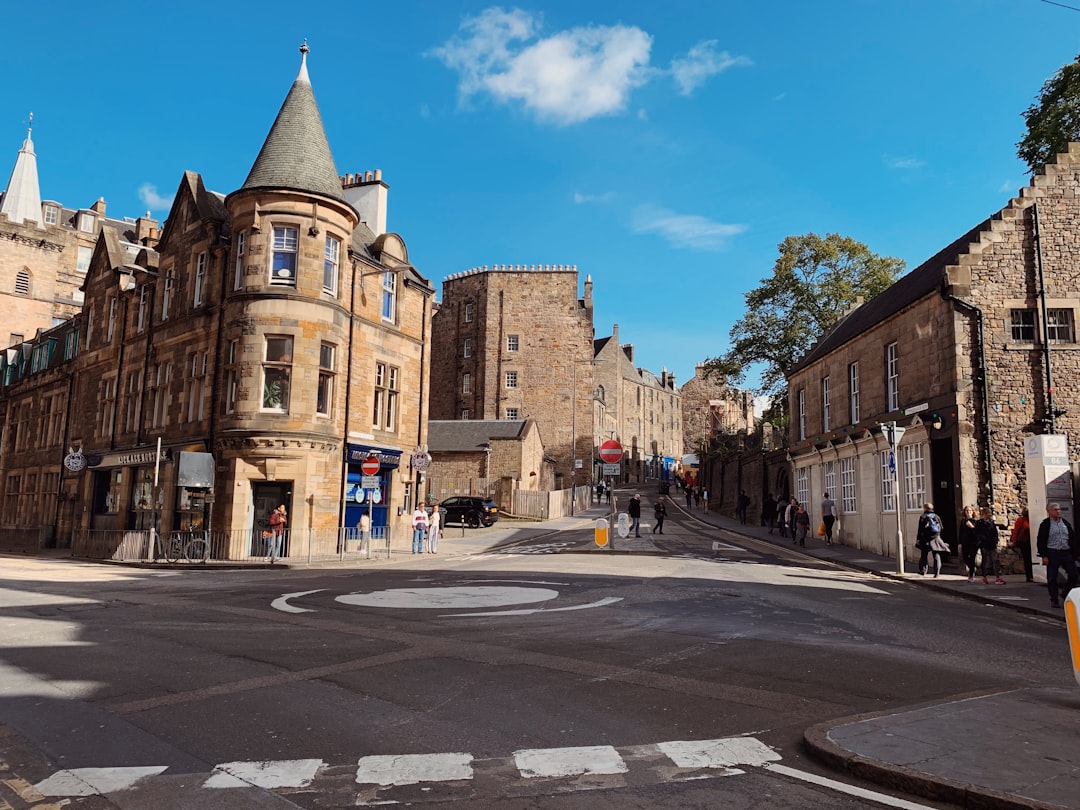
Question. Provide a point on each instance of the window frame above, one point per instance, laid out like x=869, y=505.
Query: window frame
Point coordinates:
x=892, y=377
x=853, y=392
x=800, y=398
x=513, y=343
x=389, y=296
x=324, y=392
x=849, y=504
x=1054, y=327
x=200, y=279
x=238, y=262
x=466, y=347
x=914, y=469
x=280, y=370
x=825, y=405
x=331, y=265
x=466, y=382
x=284, y=255
x=1023, y=324
x=510, y=379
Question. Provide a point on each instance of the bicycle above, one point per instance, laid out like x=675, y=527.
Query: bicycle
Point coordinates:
x=190, y=545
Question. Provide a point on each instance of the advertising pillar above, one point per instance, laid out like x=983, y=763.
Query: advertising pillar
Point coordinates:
x=1049, y=480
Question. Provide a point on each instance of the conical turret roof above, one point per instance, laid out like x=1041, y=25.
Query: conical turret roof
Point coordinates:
x=296, y=154
x=22, y=199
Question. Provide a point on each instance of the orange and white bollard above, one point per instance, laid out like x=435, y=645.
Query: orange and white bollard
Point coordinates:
x=1072, y=621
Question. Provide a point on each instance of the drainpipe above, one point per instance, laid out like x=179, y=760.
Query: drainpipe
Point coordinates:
x=983, y=388
x=348, y=397
x=1048, y=419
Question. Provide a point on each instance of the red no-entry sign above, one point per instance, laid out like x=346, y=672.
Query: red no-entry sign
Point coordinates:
x=610, y=452
x=370, y=465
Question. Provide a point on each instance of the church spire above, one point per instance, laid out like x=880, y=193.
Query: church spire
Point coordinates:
x=296, y=155
x=22, y=199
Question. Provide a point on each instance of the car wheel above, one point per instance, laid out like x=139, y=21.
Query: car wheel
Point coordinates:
x=473, y=521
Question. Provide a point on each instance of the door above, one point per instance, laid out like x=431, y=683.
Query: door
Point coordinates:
x=266, y=496
x=942, y=489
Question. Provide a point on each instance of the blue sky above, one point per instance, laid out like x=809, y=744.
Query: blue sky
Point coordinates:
x=663, y=148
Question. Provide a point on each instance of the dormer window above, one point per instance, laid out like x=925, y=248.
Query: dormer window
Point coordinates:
x=87, y=222
x=286, y=245
x=52, y=214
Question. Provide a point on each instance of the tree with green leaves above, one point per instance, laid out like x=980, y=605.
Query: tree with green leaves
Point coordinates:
x=813, y=284
x=1054, y=120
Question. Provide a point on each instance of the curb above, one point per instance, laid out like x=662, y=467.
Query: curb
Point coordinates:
x=906, y=779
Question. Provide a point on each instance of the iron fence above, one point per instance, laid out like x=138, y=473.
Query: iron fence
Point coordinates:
x=195, y=547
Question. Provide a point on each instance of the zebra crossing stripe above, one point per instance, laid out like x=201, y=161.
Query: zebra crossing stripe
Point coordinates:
x=282, y=773
x=94, y=781
x=726, y=753
x=412, y=769
x=551, y=762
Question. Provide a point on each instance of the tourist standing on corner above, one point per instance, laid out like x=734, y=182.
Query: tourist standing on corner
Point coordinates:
x=969, y=545
x=419, y=528
x=634, y=510
x=659, y=513
x=364, y=527
x=1059, y=547
x=434, y=531
x=828, y=516
x=278, y=521
x=986, y=533
x=1021, y=539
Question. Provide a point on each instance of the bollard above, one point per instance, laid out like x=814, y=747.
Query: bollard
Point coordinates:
x=600, y=532
x=1072, y=621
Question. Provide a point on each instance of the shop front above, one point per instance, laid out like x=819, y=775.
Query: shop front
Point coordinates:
x=360, y=499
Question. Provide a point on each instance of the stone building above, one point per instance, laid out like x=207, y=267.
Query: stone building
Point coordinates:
x=642, y=411
x=45, y=250
x=271, y=342
x=516, y=342
x=710, y=409
x=971, y=352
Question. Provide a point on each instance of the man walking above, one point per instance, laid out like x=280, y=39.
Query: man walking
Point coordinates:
x=659, y=513
x=828, y=516
x=634, y=510
x=1059, y=547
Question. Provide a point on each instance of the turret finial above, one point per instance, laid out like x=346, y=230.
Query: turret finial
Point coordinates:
x=30, y=125
x=302, y=76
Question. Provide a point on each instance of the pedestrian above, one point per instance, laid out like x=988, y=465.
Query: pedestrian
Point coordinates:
x=986, y=534
x=600, y=491
x=634, y=509
x=741, y=505
x=1059, y=548
x=928, y=540
x=828, y=516
x=802, y=523
x=1021, y=539
x=966, y=540
x=607, y=492
x=364, y=527
x=419, y=528
x=434, y=531
x=689, y=495
x=768, y=512
x=781, y=515
x=279, y=520
x=659, y=513
x=790, y=511
x=697, y=496
x=704, y=500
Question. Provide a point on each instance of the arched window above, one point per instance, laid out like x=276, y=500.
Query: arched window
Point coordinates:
x=22, y=283
x=600, y=392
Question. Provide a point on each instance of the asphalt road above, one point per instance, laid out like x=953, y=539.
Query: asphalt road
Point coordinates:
x=513, y=678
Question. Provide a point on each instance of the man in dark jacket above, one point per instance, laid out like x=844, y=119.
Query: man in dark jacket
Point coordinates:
x=659, y=512
x=634, y=510
x=1059, y=547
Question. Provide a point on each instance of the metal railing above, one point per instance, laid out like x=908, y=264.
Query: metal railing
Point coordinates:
x=195, y=547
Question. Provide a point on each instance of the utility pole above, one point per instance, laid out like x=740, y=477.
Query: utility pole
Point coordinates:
x=893, y=434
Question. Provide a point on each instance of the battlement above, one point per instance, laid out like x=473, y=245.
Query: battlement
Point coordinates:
x=515, y=268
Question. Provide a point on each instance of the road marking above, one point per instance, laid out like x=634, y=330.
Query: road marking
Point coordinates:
x=453, y=597
x=607, y=600
x=535, y=763
x=282, y=602
x=94, y=781
x=412, y=769
x=723, y=753
x=281, y=773
x=718, y=546
x=841, y=787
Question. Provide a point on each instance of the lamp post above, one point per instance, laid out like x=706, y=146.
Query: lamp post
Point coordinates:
x=573, y=437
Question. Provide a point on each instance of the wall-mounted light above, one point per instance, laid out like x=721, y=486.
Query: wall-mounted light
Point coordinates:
x=936, y=421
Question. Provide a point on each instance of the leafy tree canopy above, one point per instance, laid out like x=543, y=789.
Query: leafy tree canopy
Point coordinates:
x=813, y=283
x=1054, y=120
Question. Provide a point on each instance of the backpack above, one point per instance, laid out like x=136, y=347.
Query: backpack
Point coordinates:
x=932, y=523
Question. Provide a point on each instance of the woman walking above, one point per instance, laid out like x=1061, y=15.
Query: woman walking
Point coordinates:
x=969, y=545
x=986, y=533
x=434, y=531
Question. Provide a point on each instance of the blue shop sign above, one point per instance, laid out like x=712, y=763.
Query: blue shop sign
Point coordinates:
x=388, y=459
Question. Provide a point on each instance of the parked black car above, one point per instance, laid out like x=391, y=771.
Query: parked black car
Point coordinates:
x=470, y=511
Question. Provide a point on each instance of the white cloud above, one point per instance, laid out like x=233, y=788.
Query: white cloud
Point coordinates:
x=582, y=199
x=702, y=62
x=148, y=193
x=903, y=163
x=684, y=230
x=1008, y=187
x=568, y=77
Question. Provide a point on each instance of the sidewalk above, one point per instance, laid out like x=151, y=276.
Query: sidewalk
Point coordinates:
x=1030, y=760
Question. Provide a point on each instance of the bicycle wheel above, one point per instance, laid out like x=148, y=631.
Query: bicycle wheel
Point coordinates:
x=174, y=549
x=198, y=550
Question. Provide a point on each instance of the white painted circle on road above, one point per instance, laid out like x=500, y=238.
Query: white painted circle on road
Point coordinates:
x=442, y=598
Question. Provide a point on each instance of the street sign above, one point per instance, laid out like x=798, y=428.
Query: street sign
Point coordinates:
x=370, y=482
x=370, y=465
x=611, y=469
x=421, y=460
x=611, y=452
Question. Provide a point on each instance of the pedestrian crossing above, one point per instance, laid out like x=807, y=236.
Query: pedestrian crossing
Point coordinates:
x=428, y=777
